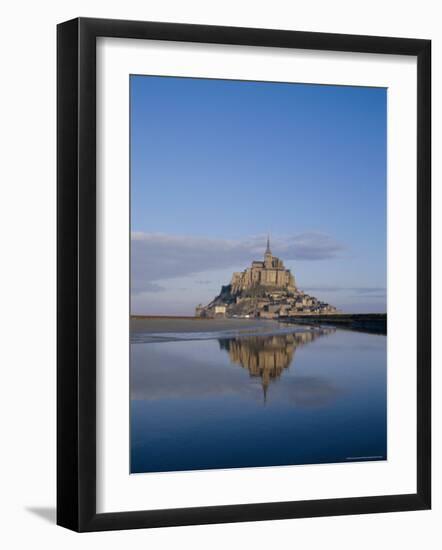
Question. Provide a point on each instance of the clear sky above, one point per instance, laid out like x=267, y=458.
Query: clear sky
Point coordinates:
x=218, y=164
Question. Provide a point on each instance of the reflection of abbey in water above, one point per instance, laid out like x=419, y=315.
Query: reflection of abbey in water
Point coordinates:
x=267, y=356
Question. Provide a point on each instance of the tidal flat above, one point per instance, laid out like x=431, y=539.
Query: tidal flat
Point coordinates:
x=195, y=324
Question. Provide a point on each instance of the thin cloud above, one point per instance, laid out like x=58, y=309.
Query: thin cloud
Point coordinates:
x=153, y=287
x=369, y=291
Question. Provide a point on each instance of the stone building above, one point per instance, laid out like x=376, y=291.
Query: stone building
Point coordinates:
x=267, y=273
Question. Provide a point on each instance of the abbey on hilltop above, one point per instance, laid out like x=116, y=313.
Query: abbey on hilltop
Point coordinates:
x=269, y=273
x=267, y=290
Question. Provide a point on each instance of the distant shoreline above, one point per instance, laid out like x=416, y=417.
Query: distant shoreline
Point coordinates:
x=365, y=322
x=167, y=317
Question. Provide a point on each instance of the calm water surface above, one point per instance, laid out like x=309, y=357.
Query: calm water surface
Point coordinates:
x=219, y=400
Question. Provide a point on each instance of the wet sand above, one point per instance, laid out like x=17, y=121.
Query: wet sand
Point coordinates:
x=148, y=325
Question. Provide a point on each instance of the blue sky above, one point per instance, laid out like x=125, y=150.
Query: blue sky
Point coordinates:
x=218, y=164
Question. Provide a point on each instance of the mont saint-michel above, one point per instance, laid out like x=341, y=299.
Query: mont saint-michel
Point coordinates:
x=266, y=290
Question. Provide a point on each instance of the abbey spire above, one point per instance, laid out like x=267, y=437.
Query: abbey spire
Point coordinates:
x=268, y=251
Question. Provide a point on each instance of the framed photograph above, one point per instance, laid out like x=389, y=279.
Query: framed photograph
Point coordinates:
x=243, y=274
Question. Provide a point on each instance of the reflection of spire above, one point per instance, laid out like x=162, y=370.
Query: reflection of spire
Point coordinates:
x=268, y=356
x=268, y=251
x=265, y=386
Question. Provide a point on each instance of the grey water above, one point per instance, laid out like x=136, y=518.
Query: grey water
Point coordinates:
x=295, y=395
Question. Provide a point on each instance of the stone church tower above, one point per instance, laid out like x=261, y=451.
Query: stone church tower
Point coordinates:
x=268, y=273
x=268, y=255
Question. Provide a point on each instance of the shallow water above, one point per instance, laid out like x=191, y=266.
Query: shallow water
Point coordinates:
x=225, y=400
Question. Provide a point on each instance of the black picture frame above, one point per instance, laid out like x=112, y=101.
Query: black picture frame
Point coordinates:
x=76, y=274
